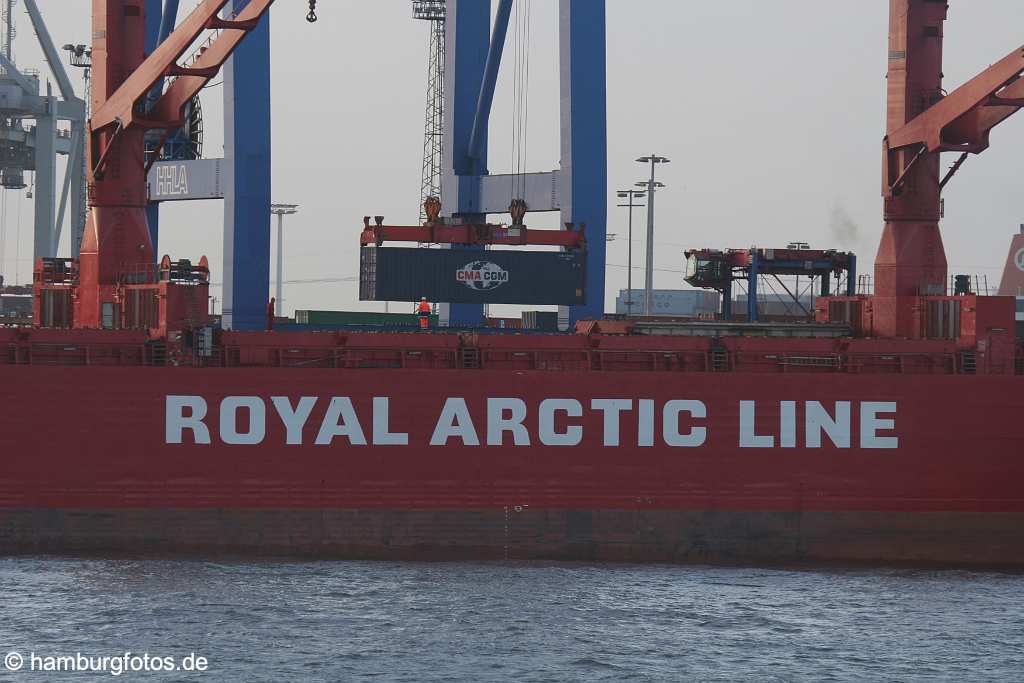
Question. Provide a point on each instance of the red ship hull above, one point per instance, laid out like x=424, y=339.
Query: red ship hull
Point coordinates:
x=696, y=467
x=888, y=430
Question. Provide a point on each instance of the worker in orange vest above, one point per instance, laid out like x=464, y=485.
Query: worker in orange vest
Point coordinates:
x=425, y=311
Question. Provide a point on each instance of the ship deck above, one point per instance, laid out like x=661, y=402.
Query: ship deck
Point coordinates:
x=653, y=347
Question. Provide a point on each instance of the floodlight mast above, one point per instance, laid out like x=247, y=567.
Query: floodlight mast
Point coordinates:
x=631, y=195
x=281, y=210
x=652, y=187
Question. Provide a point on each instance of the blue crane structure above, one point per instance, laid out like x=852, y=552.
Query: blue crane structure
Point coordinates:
x=577, y=189
x=241, y=178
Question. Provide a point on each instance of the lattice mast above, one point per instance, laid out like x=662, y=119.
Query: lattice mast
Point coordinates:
x=9, y=32
x=433, y=11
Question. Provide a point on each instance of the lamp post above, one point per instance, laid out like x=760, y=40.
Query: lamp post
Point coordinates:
x=281, y=210
x=652, y=186
x=631, y=195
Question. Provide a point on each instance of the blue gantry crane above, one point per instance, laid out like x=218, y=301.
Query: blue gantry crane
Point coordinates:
x=473, y=55
x=578, y=188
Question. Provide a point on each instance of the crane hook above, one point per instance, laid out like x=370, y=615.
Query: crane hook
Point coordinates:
x=311, y=17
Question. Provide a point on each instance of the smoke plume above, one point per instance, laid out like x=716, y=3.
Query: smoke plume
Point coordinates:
x=844, y=230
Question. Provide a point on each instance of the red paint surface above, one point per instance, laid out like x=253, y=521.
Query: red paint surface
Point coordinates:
x=1012, y=283
x=94, y=437
x=923, y=120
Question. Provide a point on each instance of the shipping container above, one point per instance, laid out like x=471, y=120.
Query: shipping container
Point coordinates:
x=505, y=323
x=544, y=321
x=472, y=277
x=774, y=304
x=676, y=302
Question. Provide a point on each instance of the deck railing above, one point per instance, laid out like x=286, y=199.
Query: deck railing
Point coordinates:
x=18, y=348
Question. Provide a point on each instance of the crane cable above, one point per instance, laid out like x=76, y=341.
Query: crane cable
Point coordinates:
x=521, y=96
x=3, y=231
x=17, y=243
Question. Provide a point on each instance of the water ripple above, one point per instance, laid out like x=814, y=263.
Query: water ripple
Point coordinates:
x=324, y=621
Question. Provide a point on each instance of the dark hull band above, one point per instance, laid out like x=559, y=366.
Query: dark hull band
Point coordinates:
x=670, y=536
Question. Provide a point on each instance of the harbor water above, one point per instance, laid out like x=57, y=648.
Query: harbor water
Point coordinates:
x=356, y=621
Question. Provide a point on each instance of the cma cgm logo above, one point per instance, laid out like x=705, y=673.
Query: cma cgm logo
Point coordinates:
x=1019, y=259
x=482, y=275
x=171, y=180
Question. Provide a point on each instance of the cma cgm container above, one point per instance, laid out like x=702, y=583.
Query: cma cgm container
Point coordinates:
x=472, y=277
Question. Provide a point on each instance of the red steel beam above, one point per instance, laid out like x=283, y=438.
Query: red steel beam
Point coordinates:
x=169, y=107
x=120, y=106
x=960, y=121
x=993, y=115
x=166, y=113
x=478, y=235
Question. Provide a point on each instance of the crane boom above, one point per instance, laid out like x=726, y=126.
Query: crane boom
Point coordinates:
x=119, y=106
x=962, y=120
x=116, y=249
x=191, y=80
x=922, y=122
x=67, y=91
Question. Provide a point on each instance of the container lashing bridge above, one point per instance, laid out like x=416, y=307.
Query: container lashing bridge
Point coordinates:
x=718, y=270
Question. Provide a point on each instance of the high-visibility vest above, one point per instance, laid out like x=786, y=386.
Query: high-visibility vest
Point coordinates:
x=425, y=307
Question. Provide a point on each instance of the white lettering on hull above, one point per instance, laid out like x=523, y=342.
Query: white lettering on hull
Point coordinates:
x=294, y=419
x=547, y=419
x=455, y=421
x=670, y=424
x=341, y=420
x=553, y=422
x=506, y=415
x=229, y=417
x=748, y=429
x=818, y=421
x=871, y=424
x=177, y=422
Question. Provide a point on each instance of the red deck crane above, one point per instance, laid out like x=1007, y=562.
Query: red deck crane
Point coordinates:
x=116, y=282
x=924, y=121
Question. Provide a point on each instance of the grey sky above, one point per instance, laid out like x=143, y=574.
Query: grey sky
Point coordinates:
x=771, y=112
